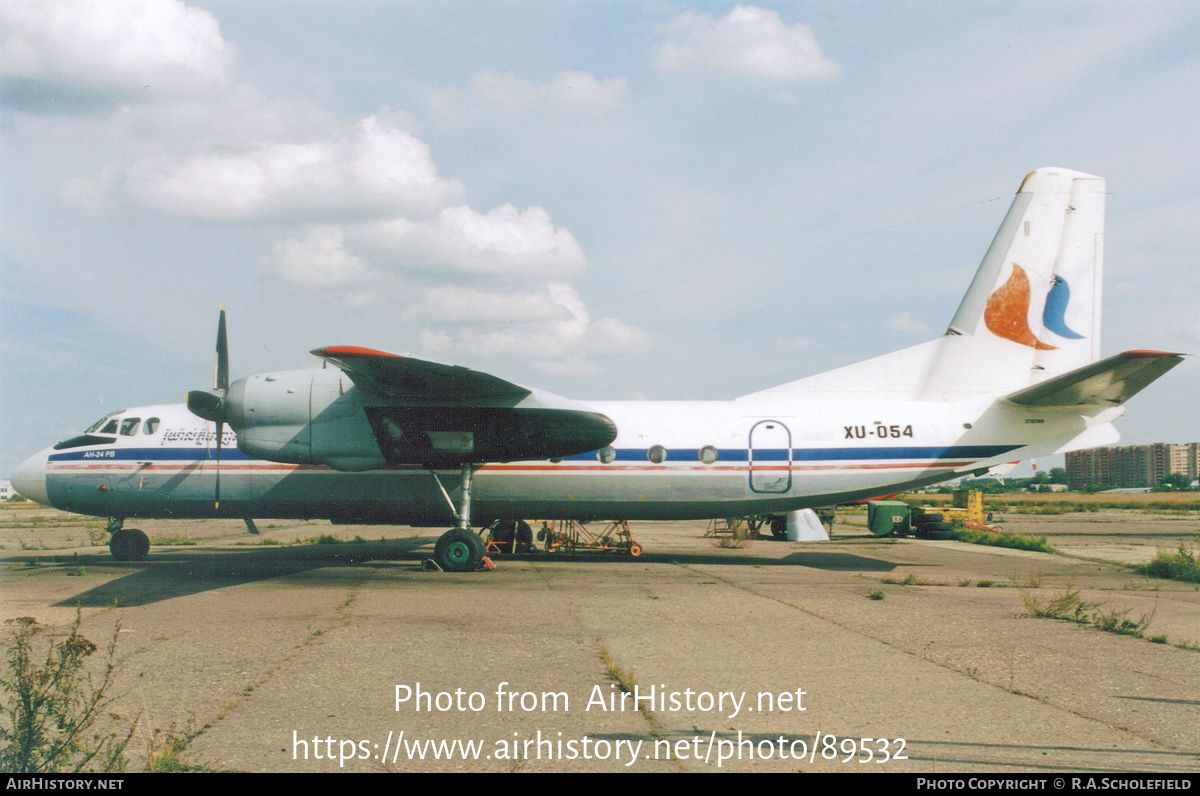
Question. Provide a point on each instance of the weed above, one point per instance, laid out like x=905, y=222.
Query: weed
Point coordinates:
x=165, y=748
x=983, y=584
x=76, y=572
x=1017, y=541
x=49, y=711
x=909, y=580
x=876, y=595
x=1116, y=621
x=626, y=682
x=1067, y=604
x=965, y=582
x=1157, y=640
x=1180, y=565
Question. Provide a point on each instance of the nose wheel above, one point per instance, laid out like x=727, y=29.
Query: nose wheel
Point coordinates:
x=129, y=544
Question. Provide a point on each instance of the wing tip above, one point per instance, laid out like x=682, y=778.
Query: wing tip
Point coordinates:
x=351, y=351
x=1148, y=354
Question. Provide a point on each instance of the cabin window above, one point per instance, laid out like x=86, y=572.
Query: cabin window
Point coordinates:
x=150, y=426
x=708, y=454
x=657, y=454
x=129, y=426
x=607, y=454
x=110, y=427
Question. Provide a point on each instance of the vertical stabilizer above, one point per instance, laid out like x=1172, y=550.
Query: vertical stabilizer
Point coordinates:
x=1037, y=293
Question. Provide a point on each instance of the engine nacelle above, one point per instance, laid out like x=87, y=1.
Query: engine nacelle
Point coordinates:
x=303, y=417
x=320, y=417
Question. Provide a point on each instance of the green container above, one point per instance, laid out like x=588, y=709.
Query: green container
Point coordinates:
x=888, y=517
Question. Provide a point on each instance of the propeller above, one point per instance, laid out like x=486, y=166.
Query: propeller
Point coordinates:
x=210, y=404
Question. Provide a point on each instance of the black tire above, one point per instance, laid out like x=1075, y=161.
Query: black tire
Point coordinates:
x=129, y=544
x=458, y=550
x=926, y=519
x=937, y=530
x=523, y=541
x=779, y=527
x=503, y=531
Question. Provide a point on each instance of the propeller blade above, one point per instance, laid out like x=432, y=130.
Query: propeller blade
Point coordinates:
x=221, y=367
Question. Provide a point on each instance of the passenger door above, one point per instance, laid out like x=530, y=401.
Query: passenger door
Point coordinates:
x=770, y=457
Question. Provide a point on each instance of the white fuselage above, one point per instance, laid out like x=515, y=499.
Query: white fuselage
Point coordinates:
x=670, y=460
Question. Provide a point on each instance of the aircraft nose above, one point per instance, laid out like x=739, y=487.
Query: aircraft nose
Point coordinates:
x=29, y=479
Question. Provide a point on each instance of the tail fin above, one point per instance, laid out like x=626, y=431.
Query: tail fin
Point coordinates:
x=1031, y=312
x=1039, y=286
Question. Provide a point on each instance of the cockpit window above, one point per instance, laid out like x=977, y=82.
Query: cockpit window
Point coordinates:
x=129, y=426
x=150, y=426
x=110, y=427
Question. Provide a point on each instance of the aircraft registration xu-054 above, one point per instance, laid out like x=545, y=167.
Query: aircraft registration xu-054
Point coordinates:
x=384, y=438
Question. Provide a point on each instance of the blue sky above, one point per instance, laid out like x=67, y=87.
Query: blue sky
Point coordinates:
x=662, y=200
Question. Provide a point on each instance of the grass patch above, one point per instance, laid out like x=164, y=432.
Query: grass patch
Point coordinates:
x=322, y=539
x=876, y=595
x=175, y=540
x=1017, y=541
x=1180, y=565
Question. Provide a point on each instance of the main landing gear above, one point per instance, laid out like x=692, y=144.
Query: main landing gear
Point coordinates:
x=459, y=549
x=126, y=544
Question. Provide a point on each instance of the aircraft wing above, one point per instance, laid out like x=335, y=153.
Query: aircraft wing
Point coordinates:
x=418, y=380
x=1110, y=381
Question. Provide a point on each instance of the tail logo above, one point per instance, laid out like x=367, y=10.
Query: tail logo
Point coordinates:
x=1054, y=317
x=1007, y=312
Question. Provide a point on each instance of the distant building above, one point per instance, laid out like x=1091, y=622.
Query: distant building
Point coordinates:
x=6, y=490
x=1132, y=466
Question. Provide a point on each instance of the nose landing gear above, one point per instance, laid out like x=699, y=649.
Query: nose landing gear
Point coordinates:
x=126, y=544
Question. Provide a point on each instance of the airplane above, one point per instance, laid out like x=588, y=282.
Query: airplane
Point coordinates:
x=386, y=438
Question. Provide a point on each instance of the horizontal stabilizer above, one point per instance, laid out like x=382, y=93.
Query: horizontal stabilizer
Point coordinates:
x=1110, y=381
x=418, y=380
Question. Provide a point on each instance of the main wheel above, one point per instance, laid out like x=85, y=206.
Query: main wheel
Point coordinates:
x=523, y=543
x=503, y=531
x=458, y=550
x=129, y=544
x=779, y=527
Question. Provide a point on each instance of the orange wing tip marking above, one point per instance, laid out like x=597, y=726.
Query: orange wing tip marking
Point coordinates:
x=352, y=351
x=1007, y=312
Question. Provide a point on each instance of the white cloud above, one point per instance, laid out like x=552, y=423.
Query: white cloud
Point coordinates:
x=558, y=334
x=130, y=48
x=376, y=170
x=320, y=260
x=569, y=92
x=502, y=241
x=904, y=322
x=749, y=42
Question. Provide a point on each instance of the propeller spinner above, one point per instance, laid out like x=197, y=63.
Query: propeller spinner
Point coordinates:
x=210, y=404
